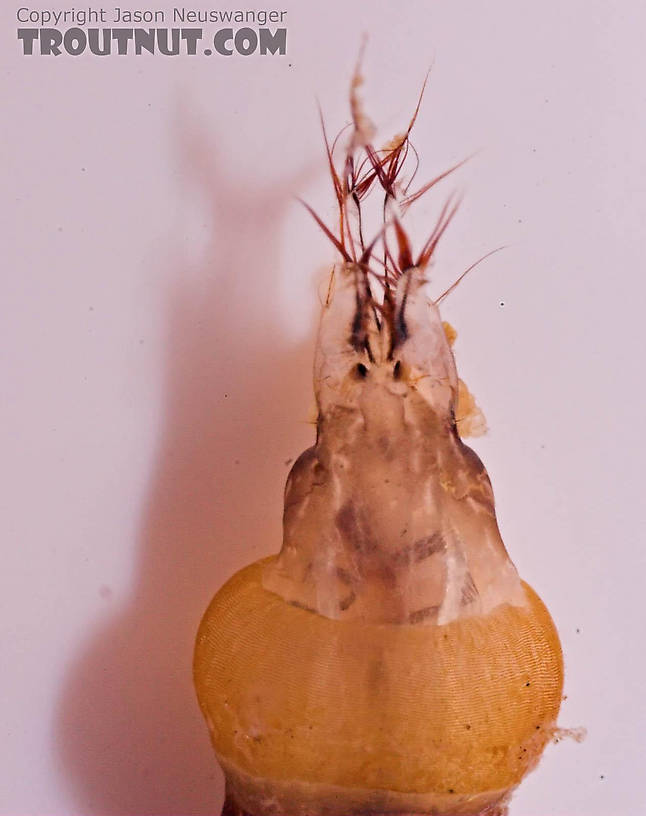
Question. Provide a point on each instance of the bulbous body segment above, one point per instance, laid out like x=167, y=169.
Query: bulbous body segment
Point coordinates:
x=310, y=715
x=389, y=660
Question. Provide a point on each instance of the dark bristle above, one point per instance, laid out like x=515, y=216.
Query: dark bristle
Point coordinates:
x=363, y=169
x=410, y=199
x=327, y=231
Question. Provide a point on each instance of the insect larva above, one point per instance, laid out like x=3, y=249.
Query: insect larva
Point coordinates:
x=389, y=659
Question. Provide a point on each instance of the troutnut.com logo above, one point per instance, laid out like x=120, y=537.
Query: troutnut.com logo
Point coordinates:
x=102, y=32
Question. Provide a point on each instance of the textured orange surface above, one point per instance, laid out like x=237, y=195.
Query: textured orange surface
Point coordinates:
x=462, y=708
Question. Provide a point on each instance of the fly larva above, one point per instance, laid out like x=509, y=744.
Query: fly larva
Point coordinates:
x=389, y=659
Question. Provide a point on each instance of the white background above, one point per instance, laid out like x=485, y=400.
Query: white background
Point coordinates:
x=159, y=298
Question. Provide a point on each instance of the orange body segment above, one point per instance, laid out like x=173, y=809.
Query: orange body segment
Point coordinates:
x=458, y=709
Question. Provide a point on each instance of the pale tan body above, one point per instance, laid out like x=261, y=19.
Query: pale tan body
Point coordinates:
x=389, y=660
x=390, y=517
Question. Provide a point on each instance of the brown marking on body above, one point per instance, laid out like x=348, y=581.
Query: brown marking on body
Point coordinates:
x=428, y=546
x=469, y=590
x=347, y=602
x=354, y=529
x=423, y=614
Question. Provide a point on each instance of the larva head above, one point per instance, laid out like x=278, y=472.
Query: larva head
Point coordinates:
x=389, y=517
x=384, y=360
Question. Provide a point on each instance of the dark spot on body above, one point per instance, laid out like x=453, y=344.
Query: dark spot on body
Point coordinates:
x=318, y=474
x=343, y=575
x=423, y=614
x=420, y=549
x=385, y=573
x=347, y=602
x=401, y=329
x=402, y=558
x=385, y=445
x=302, y=606
x=469, y=590
x=354, y=530
x=346, y=520
x=453, y=425
x=358, y=330
x=425, y=547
